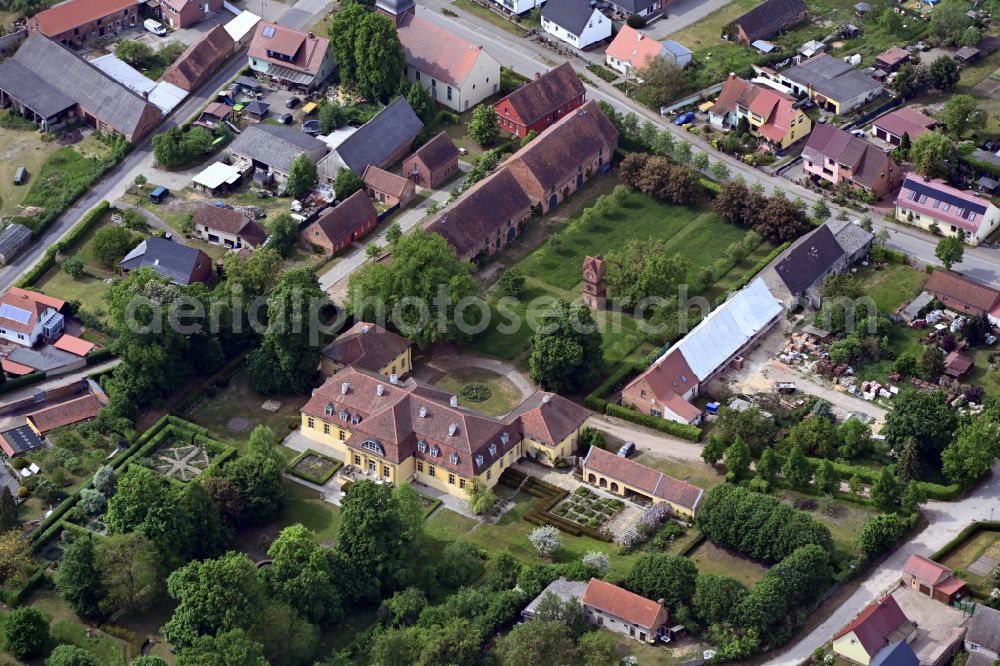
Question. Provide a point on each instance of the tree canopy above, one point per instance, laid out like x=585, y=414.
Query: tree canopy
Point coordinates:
x=566, y=351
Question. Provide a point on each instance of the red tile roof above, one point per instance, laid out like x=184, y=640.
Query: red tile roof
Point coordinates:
x=905, y=121
x=30, y=301
x=74, y=13
x=646, y=479
x=776, y=108
x=960, y=293
x=550, y=418
x=435, y=51
x=229, y=221
x=383, y=181
x=875, y=624
x=66, y=413
x=346, y=217
x=193, y=66
x=892, y=56
x=927, y=571
x=634, y=47
x=596, y=265
x=669, y=379
x=73, y=345
x=623, y=604
x=366, y=346
x=308, y=51
x=543, y=96
x=15, y=368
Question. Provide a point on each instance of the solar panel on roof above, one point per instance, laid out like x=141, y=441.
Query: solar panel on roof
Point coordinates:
x=929, y=190
x=268, y=31
x=14, y=313
x=22, y=440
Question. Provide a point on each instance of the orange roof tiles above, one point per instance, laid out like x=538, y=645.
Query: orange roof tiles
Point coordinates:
x=623, y=604
x=308, y=51
x=73, y=345
x=646, y=479
x=34, y=303
x=66, y=413
x=634, y=47
x=15, y=368
x=384, y=181
x=436, y=51
x=74, y=13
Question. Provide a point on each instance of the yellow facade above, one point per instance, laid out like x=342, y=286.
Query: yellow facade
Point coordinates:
x=849, y=647
x=617, y=487
x=546, y=454
x=400, y=366
x=800, y=127
x=331, y=435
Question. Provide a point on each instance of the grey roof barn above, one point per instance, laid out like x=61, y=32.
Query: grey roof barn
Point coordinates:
x=178, y=263
x=390, y=133
x=276, y=146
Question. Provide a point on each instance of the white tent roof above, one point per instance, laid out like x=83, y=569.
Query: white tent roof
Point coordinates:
x=728, y=328
x=164, y=95
x=217, y=174
x=244, y=22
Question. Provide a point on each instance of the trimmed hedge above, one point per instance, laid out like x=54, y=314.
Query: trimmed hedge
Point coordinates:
x=71, y=238
x=435, y=503
x=19, y=382
x=541, y=513
x=682, y=430
x=967, y=533
x=14, y=597
x=318, y=480
x=595, y=399
x=934, y=491
x=98, y=356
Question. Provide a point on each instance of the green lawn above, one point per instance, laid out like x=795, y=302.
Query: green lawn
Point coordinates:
x=715, y=560
x=504, y=395
x=844, y=520
x=523, y=25
x=66, y=627
x=892, y=286
x=986, y=542
x=20, y=148
x=697, y=473
x=90, y=291
x=447, y=525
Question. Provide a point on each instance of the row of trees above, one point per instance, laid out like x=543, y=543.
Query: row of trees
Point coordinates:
x=656, y=176
x=774, y=217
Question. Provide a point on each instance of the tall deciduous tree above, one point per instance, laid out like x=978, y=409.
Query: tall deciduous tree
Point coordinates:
x=78, y=578
x=537, y=642
x=972, y=452
x=289, y=352
x=566, y=349
x=924, y=416
x=662, y=80
x=378, y=57
x=369, y=532
x=961, y=114
x=644, y=269
x=483, y=127
x=943, y=73
x=930, y=152
x=885, y=491
x=302, y=177
x=344, y=31
x=715, y=597
x=8, y=510
x=228, y=648
x=661, y=576
x=130, y=573
x=424, y=270
x=27, y=632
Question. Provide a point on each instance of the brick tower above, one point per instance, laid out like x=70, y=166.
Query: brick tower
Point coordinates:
x=593, y=282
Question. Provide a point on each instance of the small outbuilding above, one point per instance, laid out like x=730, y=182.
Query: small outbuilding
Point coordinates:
x=13, y=239
x=257, y=110
x=388, y=188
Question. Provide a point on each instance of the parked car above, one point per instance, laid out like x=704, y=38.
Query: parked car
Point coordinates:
x=310, y=127
x=292, y=102
x=627, y=449
x=858, y=133
x=154, y=27
x=685, y=118
x=20, y=176
x=285, y=119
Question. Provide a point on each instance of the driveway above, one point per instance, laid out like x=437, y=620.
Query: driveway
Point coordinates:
x=649, y=441
x=946, y=519
x=682, y=14
x=446, y=358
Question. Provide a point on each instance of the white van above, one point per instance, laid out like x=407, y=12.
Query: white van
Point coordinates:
x=154, y=27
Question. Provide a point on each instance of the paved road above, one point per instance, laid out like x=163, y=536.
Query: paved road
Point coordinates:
x=657, y=443
x=527, y=58
x=300, y=15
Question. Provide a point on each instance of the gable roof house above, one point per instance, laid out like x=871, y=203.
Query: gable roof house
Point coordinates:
x=891, y=59
x=836, y=156
x=932, y=579
x=648, y=8
x=631, y=49
x=624, y=612
x=626, y=477
x=880, y=624
x=28, y=316
x=382, y=141
x=52, y=86
x=178, y=263
x=273, y=148
x=434, y=162
x=768, y=19
x=290, y=57
x=456, y=72
x=180, y=14
x=405, y=429
x=800, y=273
x=982, y=636
x=906, y=120
x=388, y=188
x=224, y=226
x=831, y=83
x=550, y=425
x=576, y=22
x=772, y=115
x=538, y=104
x=200, y=60
x=664, y=390
x=338, y=227
x=75, y=22
x=369, y=347
x=490, y=214
x=962, y=295
x=936, y=206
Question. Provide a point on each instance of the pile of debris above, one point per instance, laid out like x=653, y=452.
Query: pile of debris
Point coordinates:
x=871, y=390
x=253, y=212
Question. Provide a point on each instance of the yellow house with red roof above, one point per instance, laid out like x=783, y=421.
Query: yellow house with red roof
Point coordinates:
x=770, y=114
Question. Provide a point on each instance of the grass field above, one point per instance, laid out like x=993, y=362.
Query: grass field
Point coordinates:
x=91, y=289
x=504, y=398
x=983, y=543
x=715, y=560
x=698, y=473
x=553, y=268
x=66, y=627
x=491, y=16
x=844, y=520
x=20, y=148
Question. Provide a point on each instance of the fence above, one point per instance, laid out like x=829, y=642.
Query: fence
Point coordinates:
x=697, y=97
x=10, y=42
x=875, y=113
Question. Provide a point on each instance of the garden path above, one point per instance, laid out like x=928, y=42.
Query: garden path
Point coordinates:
x=452, y=359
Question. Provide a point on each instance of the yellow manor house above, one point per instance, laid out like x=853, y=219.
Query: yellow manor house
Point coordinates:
x=400, y=430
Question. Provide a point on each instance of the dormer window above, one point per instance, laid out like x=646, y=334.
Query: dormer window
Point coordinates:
x=356, y=419
x=504, y=438
x=328, y=410
x=453, y=458
x=422, y=446
x=479, y=460
x=435, y=451
x=344, y=415
x=493, y=449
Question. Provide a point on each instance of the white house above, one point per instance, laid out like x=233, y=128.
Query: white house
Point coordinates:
x=934, y=205
x=27, y=317
x=456, y=72
x=517, y=6
x=577, y=22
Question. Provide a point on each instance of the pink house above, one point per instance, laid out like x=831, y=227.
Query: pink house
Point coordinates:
x=833, y=155
x=183, y=13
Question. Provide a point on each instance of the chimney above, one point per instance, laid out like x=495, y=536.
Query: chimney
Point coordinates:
x=453, y=401
x=641, y=36
x=545, y=399
x=380, y=390
x=537, y=75
x=312, y=36
x=452, y=429
x=423, y=412
x=394, y=379
x=365, y=328
x=343, y=387
x=661, y=601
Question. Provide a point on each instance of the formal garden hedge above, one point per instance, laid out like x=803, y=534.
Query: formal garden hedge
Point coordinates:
x=682, y=430
x=320, y=479
x=967, y=533
x=548, y=496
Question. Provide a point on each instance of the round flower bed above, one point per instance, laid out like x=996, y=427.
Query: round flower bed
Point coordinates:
x=476, y=392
